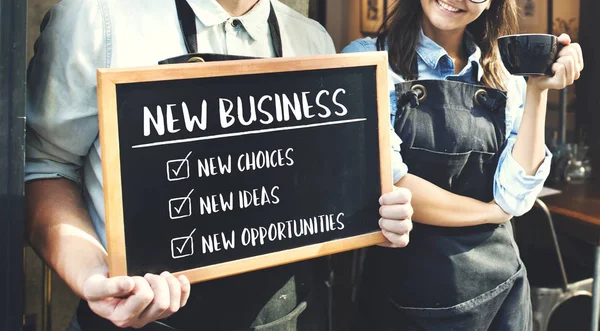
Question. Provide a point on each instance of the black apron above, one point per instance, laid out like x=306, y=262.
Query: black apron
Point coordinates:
x=291, y=297
x=467, y=278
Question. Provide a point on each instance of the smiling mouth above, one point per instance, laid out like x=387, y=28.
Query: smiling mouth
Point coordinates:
x=447, y=7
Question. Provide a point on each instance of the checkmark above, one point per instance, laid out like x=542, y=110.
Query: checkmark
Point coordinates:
x=176, y=172
x=178, y=249
x=175, y=168
x=178, y=204
x=185, y=242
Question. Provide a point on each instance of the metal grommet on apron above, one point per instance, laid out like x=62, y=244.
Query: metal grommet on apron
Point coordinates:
x=483, y=99
x=481, y=93
x=420, y=91
x=414, y=96
x=196, y=59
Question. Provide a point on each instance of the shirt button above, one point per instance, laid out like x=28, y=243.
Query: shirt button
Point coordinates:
x=235, y=23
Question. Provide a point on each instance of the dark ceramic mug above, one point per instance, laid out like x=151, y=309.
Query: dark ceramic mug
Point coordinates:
x=529, y=54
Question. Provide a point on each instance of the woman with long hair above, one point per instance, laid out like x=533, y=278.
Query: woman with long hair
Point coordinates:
x=473, y=139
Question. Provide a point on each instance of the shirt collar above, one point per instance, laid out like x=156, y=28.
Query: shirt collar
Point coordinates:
x=210, y=13
x=431, y=53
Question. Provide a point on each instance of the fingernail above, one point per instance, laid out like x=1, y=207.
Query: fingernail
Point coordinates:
x=381, y=200
x=124, y=283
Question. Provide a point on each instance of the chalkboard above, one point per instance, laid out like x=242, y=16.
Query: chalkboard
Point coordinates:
x=214, y=169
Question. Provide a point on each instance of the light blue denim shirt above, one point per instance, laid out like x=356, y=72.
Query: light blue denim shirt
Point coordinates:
x=514, y=191
x=80, y=36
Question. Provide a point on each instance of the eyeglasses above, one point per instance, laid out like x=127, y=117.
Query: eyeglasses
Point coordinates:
x=478, y=1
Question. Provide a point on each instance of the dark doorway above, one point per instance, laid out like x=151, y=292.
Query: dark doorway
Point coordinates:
x=13, y=21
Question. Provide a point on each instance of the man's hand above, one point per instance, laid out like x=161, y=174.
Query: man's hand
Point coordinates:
x=135, y=301
x=395, y=222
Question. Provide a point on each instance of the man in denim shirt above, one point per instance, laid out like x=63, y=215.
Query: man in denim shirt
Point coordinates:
x=66, y=213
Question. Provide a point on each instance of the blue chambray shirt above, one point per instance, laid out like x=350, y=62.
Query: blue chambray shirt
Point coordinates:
x=514, y=191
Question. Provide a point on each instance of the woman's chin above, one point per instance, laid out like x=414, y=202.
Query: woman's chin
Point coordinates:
x=445, y=25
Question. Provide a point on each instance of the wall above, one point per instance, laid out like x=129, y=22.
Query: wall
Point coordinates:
x=565, y=15
x=343, y=21
x=336, y=21
x=36, y=9
x=588, y=104
x=300, y=6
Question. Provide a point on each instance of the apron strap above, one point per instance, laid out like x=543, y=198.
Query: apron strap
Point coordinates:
x=187, y=23
x=275, y=32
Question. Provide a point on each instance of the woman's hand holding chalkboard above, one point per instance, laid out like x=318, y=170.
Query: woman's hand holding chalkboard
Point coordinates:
x=136, y=301
x=396, y=212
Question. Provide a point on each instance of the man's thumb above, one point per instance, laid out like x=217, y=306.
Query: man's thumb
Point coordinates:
x=99, y=287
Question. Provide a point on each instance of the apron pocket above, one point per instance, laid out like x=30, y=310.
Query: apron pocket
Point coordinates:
x=454, y=172
x=380, y=313
x=479, y=309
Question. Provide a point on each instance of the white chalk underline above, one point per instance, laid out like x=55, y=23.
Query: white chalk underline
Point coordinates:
x=236, y=134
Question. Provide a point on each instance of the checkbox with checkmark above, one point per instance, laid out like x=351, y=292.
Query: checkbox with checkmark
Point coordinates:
x=178, y=169
x=180, y=207
x=182, y=246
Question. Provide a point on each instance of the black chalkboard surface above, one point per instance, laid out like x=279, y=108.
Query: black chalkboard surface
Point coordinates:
x=214, y=169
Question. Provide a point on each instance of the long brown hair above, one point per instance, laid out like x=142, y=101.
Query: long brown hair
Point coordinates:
x=401, y=31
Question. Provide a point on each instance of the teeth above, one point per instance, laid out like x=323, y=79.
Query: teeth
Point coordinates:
x=448, y=7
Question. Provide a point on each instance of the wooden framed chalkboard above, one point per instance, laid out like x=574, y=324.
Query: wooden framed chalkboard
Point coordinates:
x=214, y=169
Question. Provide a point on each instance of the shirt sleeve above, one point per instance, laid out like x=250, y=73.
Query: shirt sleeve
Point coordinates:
x=61, y=100
x=515, y=191
x=399, y=168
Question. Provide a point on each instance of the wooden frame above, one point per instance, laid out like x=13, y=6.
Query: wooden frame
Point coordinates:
x=372, y=14
x=108, y=79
